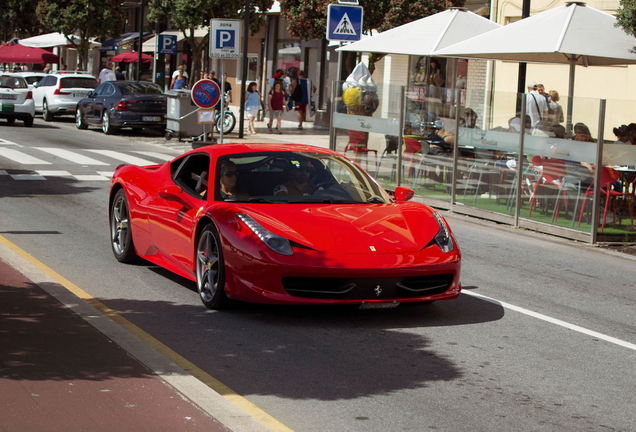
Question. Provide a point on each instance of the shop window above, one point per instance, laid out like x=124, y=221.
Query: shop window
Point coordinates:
x=252, y=68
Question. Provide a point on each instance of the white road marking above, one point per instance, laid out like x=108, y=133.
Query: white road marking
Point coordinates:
x=54, y=173
x=156, y=155
x=123, y=157
x=91, y=178
x=71, y=156
x=108, y=174
x=555, y=321
x=21, y=158
x=27, y=177
x=7, y=142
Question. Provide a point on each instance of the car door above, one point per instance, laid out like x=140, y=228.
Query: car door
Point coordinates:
x=91, y=104
x=173, y=215
x=102, y=98
x=40, y=91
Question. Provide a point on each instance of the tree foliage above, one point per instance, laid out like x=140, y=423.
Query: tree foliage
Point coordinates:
x=83, y=18
x=188, y=15
x=626, y=16
x=19, y=18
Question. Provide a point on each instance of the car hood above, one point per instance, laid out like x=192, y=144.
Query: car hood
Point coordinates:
x=350, y=228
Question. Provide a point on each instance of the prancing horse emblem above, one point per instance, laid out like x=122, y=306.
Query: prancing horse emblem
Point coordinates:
x=378, y=290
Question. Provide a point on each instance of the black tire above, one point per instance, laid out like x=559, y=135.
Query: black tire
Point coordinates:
x=107, y=127
x=121, y=238
x=168, y=136
x=210, y=269
x=80, y=123
x=46, y=114
x=28, y=121
x=137, y=129
x=230, y=122
x=10, y=120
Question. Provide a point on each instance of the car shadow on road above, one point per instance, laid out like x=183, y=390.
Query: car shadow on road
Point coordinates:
x=313, y=352
x=31, y=188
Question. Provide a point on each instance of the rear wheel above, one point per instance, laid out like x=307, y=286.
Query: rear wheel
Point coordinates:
x=10, y=120
x=210, y=269
x=28, y=121
x=79, y=119
x=48, y=116
x=121, y=238
x=107, y=128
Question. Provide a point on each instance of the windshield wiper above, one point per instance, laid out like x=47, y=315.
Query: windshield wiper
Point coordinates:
x=253, y=200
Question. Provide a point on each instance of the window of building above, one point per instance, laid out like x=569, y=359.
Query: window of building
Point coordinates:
x=252, y=68
x=288, y=55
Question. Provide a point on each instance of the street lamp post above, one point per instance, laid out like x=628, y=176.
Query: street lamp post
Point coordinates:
x=141, y=38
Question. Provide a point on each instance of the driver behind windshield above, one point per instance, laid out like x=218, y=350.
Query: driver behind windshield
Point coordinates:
x=299, y=183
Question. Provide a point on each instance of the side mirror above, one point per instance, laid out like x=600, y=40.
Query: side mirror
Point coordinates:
x=170, y=193
x=403, y=194
x=90, y=94
x=35, y=84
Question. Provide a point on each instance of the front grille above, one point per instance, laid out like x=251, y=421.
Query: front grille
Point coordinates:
x=367, y=288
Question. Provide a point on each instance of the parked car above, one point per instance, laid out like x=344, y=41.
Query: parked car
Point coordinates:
x=118, y=104
x=16, y=100
x=285, y=224
x=58, y=93
x=32, y=77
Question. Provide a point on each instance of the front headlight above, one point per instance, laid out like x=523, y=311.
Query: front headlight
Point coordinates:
x=273, y=241
x=443, y=237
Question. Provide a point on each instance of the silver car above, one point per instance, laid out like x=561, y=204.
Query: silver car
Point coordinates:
x=59, y=93
x=16, y=99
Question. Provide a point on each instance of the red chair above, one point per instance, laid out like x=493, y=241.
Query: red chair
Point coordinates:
x=553, y=172
x=358, y=143
x=609, y=176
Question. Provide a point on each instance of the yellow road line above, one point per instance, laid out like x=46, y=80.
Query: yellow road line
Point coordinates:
x=229, y=394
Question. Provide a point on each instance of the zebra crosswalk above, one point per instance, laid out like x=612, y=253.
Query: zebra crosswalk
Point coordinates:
x=21, y=163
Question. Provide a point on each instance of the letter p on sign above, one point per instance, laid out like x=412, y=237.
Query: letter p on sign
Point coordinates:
x=224, y=38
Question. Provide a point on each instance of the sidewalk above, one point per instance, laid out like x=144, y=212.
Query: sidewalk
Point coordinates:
x=58, y=373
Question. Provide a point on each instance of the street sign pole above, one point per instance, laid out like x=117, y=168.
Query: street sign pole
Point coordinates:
x=222, y=115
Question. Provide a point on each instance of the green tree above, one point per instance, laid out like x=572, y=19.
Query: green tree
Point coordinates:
x=188, y=15
x=626, y=16
x=308, y=18
x=18, y=18
x=83, y=18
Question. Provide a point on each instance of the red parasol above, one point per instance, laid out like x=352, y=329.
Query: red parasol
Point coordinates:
x=131, y=57
x=16, y=53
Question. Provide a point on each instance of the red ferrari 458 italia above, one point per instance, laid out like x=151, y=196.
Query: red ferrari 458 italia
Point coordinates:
x=285, y=224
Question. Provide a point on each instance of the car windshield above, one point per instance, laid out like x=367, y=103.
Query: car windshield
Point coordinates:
x=12, y=82
x=79, y=82
x=295, y=178
x=140, y=88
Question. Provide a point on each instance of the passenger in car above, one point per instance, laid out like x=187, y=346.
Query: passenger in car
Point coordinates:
x=299, y=183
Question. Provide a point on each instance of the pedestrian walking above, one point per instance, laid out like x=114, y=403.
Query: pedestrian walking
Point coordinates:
x=252, y=106
x=276, y=103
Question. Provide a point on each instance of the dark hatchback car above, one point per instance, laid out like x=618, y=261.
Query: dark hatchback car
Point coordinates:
x=118, y=104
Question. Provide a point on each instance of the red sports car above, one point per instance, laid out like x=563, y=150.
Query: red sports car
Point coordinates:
x=284, y=224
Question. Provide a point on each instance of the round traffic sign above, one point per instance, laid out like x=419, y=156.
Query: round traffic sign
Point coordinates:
x=206, y=93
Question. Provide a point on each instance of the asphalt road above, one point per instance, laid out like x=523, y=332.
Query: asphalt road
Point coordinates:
x=553, y=351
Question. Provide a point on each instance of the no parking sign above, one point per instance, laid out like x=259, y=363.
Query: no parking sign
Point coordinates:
x=206, y=93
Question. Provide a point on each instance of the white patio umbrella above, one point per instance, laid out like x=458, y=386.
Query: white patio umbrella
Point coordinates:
x=426, y=35
x=51, y=40
x=573, y=34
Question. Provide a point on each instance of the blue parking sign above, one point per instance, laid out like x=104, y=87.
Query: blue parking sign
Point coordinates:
x=344, y=23
x=167, y=44
x=225, y=37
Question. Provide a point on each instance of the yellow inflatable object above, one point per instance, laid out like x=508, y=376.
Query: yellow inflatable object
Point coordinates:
x=352, y=97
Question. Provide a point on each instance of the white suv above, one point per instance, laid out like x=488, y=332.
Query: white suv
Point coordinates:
x=58, y=93
x=16, y=99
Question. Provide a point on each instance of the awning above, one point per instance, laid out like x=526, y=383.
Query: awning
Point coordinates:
x=56, y=39
x=149, y=45
x=125, y=39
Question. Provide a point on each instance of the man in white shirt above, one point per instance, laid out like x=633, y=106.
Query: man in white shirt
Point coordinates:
x=536, y=106
x=107, y=74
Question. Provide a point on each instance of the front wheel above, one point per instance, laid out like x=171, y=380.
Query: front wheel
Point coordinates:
x=210, y=269
x=28, y=121
x=228, y=123
x=121, y=238
x=79, y=119
x=48, y=116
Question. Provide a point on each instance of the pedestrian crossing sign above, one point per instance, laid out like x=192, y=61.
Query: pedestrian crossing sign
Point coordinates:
x=344, y=23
